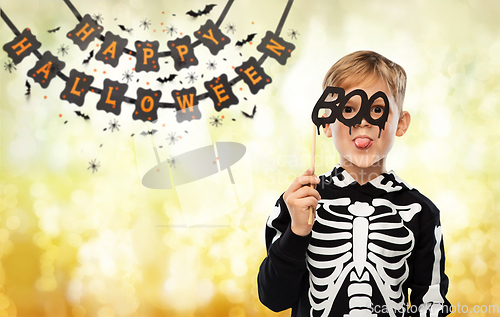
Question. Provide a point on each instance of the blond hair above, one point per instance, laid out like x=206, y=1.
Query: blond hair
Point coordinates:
x=362, y=65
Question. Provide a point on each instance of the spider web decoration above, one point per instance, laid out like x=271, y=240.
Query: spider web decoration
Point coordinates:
x=94, y=165
x=9, y=65
x=293, y=34
x=171, y=30
x=148, y=57
x=128, y=76
x=172, y=138
x=230, y=27
x=192, y=77
x=98, y=18
x=63, y=49
x=211, y=65
x=215, y=121
x=145, y=24
x=113, y=124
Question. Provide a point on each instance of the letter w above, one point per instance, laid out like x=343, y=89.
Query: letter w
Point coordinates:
x=185, y=102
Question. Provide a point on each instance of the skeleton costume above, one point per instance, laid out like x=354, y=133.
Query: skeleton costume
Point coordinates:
x=369, y=244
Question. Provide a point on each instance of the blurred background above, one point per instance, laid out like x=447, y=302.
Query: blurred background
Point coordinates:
x=79, y=234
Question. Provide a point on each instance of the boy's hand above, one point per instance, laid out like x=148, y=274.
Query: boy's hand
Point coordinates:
x=298, y=197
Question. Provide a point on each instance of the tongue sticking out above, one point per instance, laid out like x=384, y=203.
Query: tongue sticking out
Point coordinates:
x=362, y=142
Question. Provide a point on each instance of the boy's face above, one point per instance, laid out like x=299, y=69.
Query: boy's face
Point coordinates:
x=362, y=147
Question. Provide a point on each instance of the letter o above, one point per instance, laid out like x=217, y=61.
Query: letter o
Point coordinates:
x=151, y=103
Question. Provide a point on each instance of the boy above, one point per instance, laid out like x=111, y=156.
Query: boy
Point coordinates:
x=374, y=237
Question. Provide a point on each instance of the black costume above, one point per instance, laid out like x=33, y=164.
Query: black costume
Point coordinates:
x=369, y=244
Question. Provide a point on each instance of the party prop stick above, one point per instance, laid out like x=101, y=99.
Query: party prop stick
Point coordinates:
x=313, y=156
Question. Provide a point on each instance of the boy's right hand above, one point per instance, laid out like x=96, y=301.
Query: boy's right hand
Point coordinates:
x=298, y=197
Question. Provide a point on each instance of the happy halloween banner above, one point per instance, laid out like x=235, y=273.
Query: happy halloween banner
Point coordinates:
x=147, y=55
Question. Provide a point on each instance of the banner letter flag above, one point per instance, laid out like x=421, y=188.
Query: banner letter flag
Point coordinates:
x=21, y=46
x=276, y=47
x=85, y=32
x=186, y=104
x=147, y=56
x=182, y=53
x=253, y=75
x=45, y=69
x=212, y=37
x=112, y=96
x=111, y=49
x=146, y=105
x=219, y=90
x=77, y=86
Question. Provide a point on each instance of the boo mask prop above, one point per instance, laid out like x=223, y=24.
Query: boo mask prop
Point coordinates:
x=351, y=113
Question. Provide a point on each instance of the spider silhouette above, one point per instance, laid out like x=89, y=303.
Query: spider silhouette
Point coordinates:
x=192, y=77
x=171, y=162
x=211, y=65
x=172, y=138
x=94, y=165
x=63, y=49
x=230, y=27
x=293, y=34
x=9, y=65
x=128, y=76
x=215, y=121
x=97, y=18
x=114, y=125
x=171, y=30
x=145, y=24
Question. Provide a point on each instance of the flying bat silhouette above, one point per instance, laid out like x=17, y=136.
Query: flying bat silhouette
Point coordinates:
x=149, y=132
x=166, y=79
x=84, y=116
x=123, y=28
x=28, y=88
x=85, y=61
x=54, y=30
x=207, y=10
x=253, y=113
x=248, y=39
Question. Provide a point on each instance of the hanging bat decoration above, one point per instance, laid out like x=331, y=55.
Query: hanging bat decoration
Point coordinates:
x=248, y=39
x=54, y=30
x=114, y=46
x=123, y=28
x=207, y=10
x=91, y=54
x=253, y=113
x=166, y=79
x=149, y=132
x=28, y=88
x=84, y=116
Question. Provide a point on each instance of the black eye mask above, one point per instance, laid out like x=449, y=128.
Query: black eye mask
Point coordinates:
x=351, y=116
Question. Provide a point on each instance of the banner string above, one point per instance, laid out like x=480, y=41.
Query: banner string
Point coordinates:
x=126, y=99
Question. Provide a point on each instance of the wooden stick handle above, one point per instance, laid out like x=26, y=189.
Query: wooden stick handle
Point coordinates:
x=313, y=165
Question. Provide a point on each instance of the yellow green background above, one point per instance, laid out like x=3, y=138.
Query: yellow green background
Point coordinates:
x=77, y=243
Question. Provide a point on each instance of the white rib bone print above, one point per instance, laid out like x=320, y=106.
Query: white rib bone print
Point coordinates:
x=359, y=250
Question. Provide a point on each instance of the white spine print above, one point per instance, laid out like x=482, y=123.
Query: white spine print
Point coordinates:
x=359, y=253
